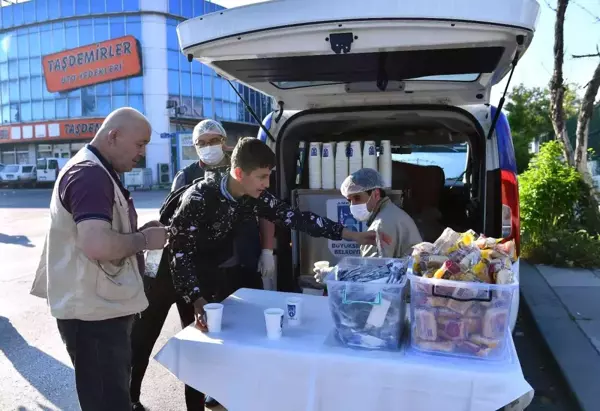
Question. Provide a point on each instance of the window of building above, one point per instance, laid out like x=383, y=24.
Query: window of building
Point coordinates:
x=41, y=10
x=36, y=88
x=61, y=108
x=117, y=26
x=17, y=14
x=66, y=8
x=49, y=110
x=37, y=110
x=101, y=29
x=82, y=7
x=136, y=101
x=119, y=101
x=133, y=26
x=75, y=107
x=86, y=31
x=131, y=5
x=25, y=112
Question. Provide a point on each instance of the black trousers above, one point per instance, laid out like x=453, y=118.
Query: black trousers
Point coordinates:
x=161, y=296
x=101, y=355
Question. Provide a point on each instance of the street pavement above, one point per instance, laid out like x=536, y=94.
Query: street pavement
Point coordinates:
x=36, y=373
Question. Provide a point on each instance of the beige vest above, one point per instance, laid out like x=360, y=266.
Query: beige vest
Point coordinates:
x=75, y=286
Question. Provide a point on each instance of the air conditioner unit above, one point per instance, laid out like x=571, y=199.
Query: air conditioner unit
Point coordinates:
x=164, y=173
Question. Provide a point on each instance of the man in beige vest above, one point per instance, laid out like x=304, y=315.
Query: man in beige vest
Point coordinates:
x=91, y=267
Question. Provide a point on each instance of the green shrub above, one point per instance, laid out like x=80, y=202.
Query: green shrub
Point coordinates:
x=563, y=248
x=559, y=220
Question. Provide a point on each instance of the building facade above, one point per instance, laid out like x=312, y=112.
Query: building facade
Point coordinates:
x=66, y=64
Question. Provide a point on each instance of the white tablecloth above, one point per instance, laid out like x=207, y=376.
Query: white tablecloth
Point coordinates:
x=309, y=370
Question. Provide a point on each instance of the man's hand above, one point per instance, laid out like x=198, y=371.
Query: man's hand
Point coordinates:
x=153, y=223
x=266, y=263
x=200, y=314
x=365, y=238
x=321, y=273
x=155, y=237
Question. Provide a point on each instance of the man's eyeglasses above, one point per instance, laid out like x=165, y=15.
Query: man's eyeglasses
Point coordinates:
x=215, y=141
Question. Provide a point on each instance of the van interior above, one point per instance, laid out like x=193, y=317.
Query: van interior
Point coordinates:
x=419, y=136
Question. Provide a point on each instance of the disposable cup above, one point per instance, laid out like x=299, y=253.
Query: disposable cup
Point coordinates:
x=294, y=310
x=214, y=317
x=321, y=265
x=274, y=322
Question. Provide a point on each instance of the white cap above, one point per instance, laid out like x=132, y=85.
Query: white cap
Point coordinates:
x=208, y=127
x=365, y=179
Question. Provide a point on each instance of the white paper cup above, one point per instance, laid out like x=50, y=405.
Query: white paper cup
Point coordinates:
x=274, y=322
x=321, y=265
x=294, y=310
x=214, y=317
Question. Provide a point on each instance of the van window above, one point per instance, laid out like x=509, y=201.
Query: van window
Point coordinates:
x=451, y=158
x=27, y=169
x=41, y=164
x=52, y=165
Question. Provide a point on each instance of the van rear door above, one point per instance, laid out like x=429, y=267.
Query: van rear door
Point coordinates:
x=314, y=53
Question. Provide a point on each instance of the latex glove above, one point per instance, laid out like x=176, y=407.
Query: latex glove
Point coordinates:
x=321, y=273
x=266, y=264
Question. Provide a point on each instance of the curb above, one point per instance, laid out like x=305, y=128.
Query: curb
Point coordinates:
x=573, y=352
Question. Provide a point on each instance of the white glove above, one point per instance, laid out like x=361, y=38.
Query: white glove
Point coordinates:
x=321, y=273
x=266, y=264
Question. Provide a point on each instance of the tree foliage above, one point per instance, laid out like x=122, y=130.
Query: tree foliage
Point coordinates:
x=558, y=224
x=529, y=117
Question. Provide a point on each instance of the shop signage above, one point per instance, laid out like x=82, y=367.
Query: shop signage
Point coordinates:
x=339, y=210
x=92, y=64
x=77, y=129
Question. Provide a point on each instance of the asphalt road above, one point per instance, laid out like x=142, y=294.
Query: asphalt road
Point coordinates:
x=36, y=373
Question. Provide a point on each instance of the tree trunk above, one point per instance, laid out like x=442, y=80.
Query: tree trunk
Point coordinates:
x=557, y=86
x=583, y=123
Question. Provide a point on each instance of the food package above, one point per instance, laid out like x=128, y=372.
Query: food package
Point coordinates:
x=470, y=320
x=465, y=257
x=367, y=302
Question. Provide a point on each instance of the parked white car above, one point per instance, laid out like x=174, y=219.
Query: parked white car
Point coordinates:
x=18, y=175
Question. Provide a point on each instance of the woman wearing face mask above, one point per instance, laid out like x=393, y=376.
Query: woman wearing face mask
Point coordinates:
x=370, y=205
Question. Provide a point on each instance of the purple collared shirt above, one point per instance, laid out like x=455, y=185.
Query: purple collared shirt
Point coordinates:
x=87, y=193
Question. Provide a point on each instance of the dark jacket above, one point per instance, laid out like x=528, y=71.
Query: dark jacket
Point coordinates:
x=201, y=231
x=246, y=241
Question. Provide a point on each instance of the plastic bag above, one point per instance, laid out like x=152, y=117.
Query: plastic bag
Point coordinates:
x=152, y=261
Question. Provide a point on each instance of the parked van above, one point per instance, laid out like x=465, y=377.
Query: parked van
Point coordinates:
x=18, y=175
x=416, y=73
x=48, y=169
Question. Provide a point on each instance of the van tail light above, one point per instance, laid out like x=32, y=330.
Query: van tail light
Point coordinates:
x=511, y=224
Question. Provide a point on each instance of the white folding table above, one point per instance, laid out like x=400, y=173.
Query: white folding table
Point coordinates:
x=309, y=370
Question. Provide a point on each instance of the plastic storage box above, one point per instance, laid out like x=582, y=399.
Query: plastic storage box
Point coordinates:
x=458, y=318
x=368, y=315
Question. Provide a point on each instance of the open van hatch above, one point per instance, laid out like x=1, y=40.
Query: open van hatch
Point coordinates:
x=309, y=53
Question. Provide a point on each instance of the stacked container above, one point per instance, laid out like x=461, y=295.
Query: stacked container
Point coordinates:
x=462, y=319
x=368, y=314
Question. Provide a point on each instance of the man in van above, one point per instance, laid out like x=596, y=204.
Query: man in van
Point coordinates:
x=209, y=138
x=92, y=263
x=370, y=204
x=200, y=233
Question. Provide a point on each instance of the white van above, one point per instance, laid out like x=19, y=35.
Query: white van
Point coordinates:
x=418, y=73
x=48, y=169
x=18, y=175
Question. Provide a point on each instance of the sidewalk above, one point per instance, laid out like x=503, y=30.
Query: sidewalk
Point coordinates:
x=565, y=305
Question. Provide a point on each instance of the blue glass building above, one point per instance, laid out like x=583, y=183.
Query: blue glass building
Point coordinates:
x=31, y=29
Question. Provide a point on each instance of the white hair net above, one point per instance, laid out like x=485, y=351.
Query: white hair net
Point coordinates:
x=208, y=127
x=362, y=180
